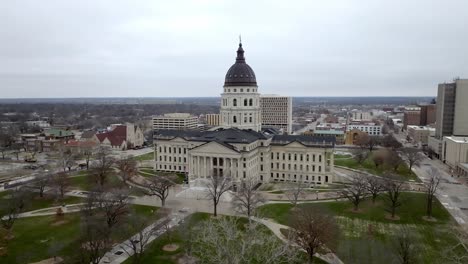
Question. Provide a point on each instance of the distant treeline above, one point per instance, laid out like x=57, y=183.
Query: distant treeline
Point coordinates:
x=216, y=100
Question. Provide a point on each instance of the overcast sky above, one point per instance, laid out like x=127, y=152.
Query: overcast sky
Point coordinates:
x=184, y=48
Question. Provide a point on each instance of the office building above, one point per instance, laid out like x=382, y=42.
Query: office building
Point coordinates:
x=180, y=121
x=276, y=112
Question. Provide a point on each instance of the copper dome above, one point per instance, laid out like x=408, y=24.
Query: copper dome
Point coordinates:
x=240, y=73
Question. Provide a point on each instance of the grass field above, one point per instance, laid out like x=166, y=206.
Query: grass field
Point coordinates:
x=369, y=237
x=368, y=165
x=147, y=172
x=83, y=182
x=36, y=238
x=47, y=201
x=147, y=156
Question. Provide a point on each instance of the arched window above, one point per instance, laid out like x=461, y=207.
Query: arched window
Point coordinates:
x=234, y=102
x=250, y=102
x=245, y=102
x=234, y=118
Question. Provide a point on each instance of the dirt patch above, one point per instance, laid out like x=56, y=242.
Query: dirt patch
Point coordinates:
x=358, y=211
x=389, y=217
x=59, y=223
x=187, y=260
x=170, y=247
x=3, y=251
x=429, y=219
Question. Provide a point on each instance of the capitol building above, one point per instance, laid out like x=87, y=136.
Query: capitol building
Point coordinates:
x=239, y=148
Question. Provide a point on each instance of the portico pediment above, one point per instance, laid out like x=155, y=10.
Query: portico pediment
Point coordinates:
x=178, y=139
x=213, y=148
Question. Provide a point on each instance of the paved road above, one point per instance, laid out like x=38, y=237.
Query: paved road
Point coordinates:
x=452, y=194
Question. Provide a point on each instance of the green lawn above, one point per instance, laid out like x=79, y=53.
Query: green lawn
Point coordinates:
x=368, y=237
x=84, y=183
x=147, y=172
x=47, y=201
x=147, y=156
x=35, y=236
x=369, y=166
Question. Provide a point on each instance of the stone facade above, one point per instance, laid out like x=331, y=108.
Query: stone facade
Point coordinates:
x=242, y=154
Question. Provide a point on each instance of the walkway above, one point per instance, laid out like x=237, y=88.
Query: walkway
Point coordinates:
x=121, y=252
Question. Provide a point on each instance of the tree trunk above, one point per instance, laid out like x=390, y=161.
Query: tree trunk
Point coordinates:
x=215, y=212
x=429, y=206
x=374, y=196
x=311, y=257
x=393, y=211
x=163, y=202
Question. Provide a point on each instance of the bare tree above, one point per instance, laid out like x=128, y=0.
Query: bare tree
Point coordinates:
x=296, y=192
x=66, y=159
x=404, y=247
x=159, y=186
x=312, y=229
x=128, y=168
x=16, y=149
x=61, y=182
x=374, y=186
x=114, y=204
x=102, y=166
x=457, y=252
x=412, y=156
x=12, y=207
x=6, y=140
x=94, y=238
x=431, y=188
x=222, y=241
x=360, y=155
x=363, y=140
x=42, y=181
x=389, y=141
x=378, y=158
x=247, y=198
x=217, y=186
x=88, y=152
x=393, y=160
x=393, y=192
x=356, y=190
x=140, y=230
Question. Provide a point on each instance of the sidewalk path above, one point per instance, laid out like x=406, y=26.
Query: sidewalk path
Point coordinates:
x=123, y=251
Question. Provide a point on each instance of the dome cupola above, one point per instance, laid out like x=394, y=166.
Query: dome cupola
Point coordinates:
x=240, y=73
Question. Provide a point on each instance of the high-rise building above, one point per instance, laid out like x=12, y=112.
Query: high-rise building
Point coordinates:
x=451, y=114
x=357, y=115
x=428, y=114
x=240, y=101
x=276, y=112
x=180, y=121
x=412, y=116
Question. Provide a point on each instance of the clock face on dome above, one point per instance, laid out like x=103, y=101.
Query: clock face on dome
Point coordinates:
x=240, y=73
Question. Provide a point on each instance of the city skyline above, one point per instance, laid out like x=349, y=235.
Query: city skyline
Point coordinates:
x=159, y=49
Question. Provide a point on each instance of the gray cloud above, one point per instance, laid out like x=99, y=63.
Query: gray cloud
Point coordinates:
x=183, y=48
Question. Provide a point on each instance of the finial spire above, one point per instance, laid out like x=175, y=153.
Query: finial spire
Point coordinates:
x=240, y=39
